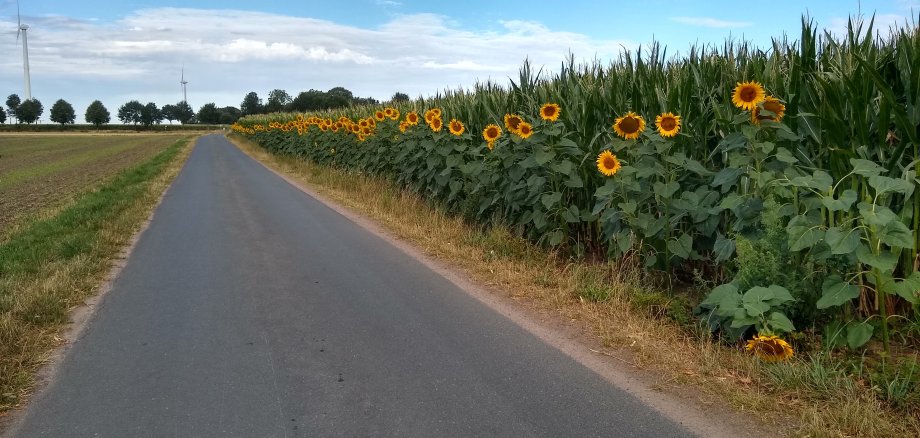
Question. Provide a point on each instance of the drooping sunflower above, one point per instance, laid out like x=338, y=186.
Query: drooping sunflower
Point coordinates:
x=772, y=105
x=550, y=112
x=747, y=95
x=512, y=121
x=436, y=124
x=456, y=127
x=607, y=163
x=379, y=115
x=524, y=130
x=769, y=348
x=491, y=133
x=412, y=118
x=629, y=126
x=668, y=124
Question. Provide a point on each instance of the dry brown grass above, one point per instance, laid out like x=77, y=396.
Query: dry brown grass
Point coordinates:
x=686, y=361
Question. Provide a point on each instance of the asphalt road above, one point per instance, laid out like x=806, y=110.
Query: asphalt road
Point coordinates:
x=249, y=309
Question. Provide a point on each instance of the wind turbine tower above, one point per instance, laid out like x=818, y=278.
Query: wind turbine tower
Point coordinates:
x=25, y=53
x=184, y=83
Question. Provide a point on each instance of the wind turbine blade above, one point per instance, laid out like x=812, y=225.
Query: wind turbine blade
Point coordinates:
x=18, y=20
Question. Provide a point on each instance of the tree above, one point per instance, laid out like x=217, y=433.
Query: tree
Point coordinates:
x=252, y=104
x=209, y=114
x=338, y=97
x=277, y=100
x=97, y=114
x=399, y=97
x=130, y=112
x=29, y=111
x=151, y=114
x=169, y=112
x=12, y=102
x=2, y=115
x=229, y=115
x=62, y=112
x=184, y=112
x=309, y=101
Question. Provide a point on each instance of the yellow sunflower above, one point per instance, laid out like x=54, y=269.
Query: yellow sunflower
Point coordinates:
x=436, y=124
x=403, y=126
x=524, y=130
x=771, y=104
x=512, y=121
x=456, y=127
x=747, y=95
x=388, y=112
x=394, y=115
x=379, y=115
x=412, y=118
x=371, y=122
x=607, y=163
x=550, y=112
x=668, y=124
x=769, y=348
x=491, y=133
x=629, y=126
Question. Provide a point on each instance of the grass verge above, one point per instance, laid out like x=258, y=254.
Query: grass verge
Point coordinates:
x=806, y=396
x=53, y=264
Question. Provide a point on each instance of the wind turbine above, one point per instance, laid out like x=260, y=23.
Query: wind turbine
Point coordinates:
x=183, y=82
x=25, y=52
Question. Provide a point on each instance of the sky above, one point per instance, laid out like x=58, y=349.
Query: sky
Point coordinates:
x=119, y=50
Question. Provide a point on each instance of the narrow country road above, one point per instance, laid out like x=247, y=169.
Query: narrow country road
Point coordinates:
x=249, y=309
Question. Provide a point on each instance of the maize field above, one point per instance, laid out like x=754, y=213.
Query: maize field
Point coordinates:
x=791, y=172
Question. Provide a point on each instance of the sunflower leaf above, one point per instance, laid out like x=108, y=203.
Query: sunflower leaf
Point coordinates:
x=858, y=334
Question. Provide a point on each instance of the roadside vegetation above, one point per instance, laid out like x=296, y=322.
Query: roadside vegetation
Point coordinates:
x=54, y=258
x=744, y=220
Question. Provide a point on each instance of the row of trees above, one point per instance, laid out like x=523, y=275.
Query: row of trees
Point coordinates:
x=312, y=100
x=131, y=113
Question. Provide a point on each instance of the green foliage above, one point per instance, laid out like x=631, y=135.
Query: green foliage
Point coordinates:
x=62, y=112
x=97, y=114
x=2, y=115
x=29, y=111
x=130, y=112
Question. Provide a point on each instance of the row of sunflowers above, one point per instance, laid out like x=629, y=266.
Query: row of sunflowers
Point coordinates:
x=802, y=203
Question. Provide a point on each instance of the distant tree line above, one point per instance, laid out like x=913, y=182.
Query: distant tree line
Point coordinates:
x=279, y=100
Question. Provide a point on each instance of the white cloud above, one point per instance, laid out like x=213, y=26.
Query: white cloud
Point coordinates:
x=711, y=22
x=227, y=53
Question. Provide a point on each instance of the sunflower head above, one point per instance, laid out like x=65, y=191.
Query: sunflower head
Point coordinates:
x=607, y=163
x=769, y=348
x=550, y=112
x=491, y=133
x=394, y=114
x=379, y=115
x=412, y=118
x=747, y=95
x=668, y=125
x=403, y=126
x=629, y=126
x=388, y=112
x=772, y=105
x=456, y=127
x=512, y=121
x=524, y=130
x=436, y=124
x=371, y=122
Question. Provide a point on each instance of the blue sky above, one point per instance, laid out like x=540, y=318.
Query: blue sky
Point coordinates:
x=121, y=50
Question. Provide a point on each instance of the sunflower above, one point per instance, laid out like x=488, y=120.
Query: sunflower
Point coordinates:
x=371, y=122
x=395, y=114
x=388, y=112
x=550, y=112
x=436, y=124
x=524, y=130
x=512, y=121
x=412, y=118
x=362, y=123
x=436, y=112
x=456, y=127
x=771, y=104
x=403, y=126
x=629, y=126
x=769, y=348
x=607, y=163
x=747, y=95
x=379, y=115
x=491, y=133
x=668, y=124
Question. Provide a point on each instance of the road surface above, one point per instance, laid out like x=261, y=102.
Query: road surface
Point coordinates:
x=250, y=309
